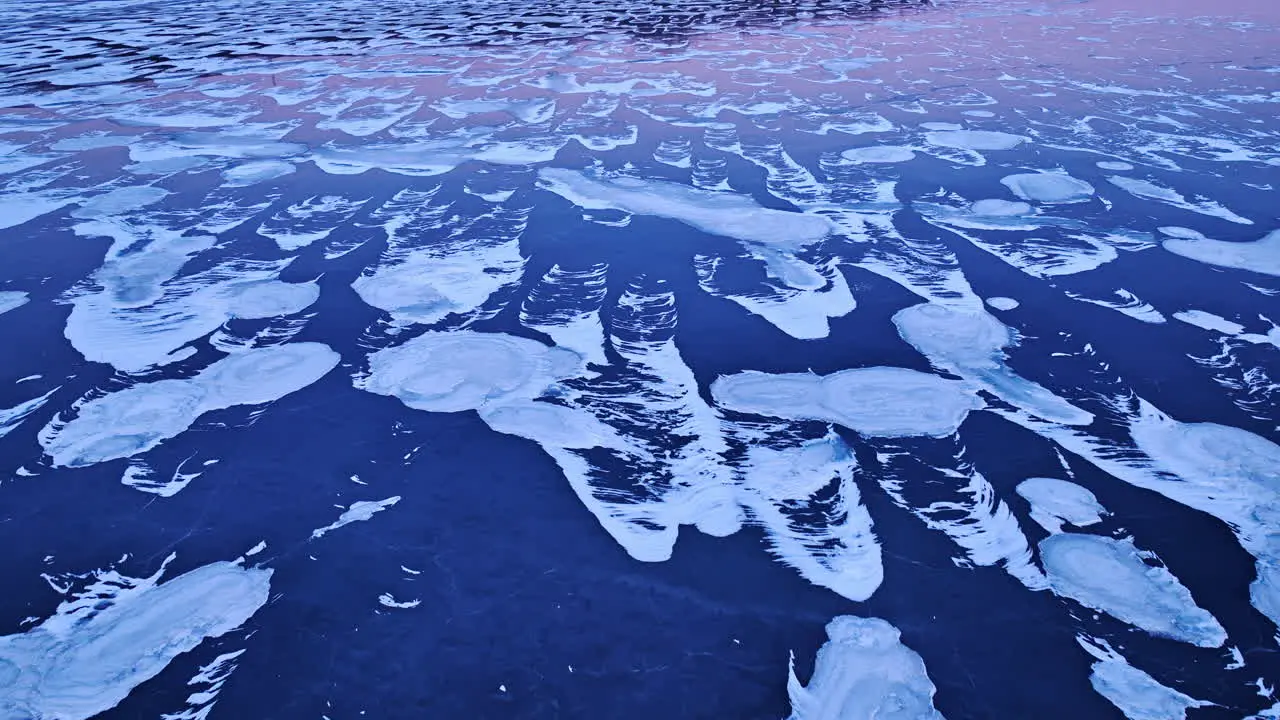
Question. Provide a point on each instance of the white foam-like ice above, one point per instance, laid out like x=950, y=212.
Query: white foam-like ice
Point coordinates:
x=876, y=401
x=1260, y=256
x=1054, y=502
x=863, y=671
x=10, y=418
x=1112, y=576
x=309, y=221
x=359, y=511
x=98, y=647
x=134, y=420
x=1135, y=693
x=1048, y=187
x=971, y=344
x=879, y=154
x=464, y=370
x=974, y=139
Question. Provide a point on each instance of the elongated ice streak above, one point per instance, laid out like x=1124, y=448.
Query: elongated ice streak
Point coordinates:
x=1135, y=693
x=863, y=671
x=134, y=420
x=98, y=647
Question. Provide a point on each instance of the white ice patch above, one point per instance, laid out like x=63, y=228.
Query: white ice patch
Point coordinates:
x=1128, y=304
x=565, y=304
x=786, y=488
x=879, y=154
x=863, y=671
x=1112, y=576
x=389, y=600
x=134, y=420
x=119, y=201
x=457, y=371
x=309, y=221
x=12, y=300
x=1208, y=321
x=1054, y=502
x=716, y=213
x=11, y=417
x=974, y=139
x=1135, y=693
x=1261, y=256
x=121, y=632
x=803, y=307
x=877, y=401
x=1048, y=187
x=971, y=345
x=1002, y=303
x=256, y=172
x=359, y=511
x=1149, y=190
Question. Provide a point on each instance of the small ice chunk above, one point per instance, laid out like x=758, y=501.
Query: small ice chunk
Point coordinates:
x=1112, y=576
x=389, y=600
x=863, y=671
x=993, y=207
x=1002, y=303
x=464, y=370
x=879, y=154
x=1209, y=321
x=1181, y=232
x=876, y=401
x=360, y=511
x=974, y=139
x=96, y=649
x=1054, y=502
x=1261, y=256
x=1048, y=187
x=134, y=420
x=1113, y=165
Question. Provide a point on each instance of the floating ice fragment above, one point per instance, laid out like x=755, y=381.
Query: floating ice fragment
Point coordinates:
x=717, y=213
x=1112, y=576
x=879, y=154
x=255, y=172
x=974, y=139
x=389, y=600
x=1056, y=501
x=1138, y=695
x=1152, y=191
x=1113, y=165
x=11, y=417
x=464, y=370
x=1261, y=256
x=1209, y=321
x=1002, y=303
x=95, y=650
x=131, y=421
x=876, y=401
x=119, y=201
x=971, y=344
x=1048, y=187
x=11, y=300
x=359, y=511
x=863, y=671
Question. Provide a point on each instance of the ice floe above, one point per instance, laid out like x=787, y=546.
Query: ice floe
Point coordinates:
x=877, y=401
x=131, y=421
x=1054, y=502
x=1260, y=256
x=12, y=300
x=121, y=632
x=1048, y=187
x=1114, y=577
x=879, y=154
x=1002, y=303
x=359, y=511
x=971, y=345
x=1135, y=693
x=1149, y=190
x=974, y=139
x=863, y=671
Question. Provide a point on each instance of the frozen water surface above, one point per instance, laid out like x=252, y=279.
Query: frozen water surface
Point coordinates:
x=590, y=359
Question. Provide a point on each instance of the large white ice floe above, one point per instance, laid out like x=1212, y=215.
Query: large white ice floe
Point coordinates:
x=1113, y=576
x=1048, y=187
x=876, y=401
x=464, y=370
x=121, y=632
x=863, y=671
x=1054, y=502
x=971, y=344
x=132, y=421
x=1260, y=256
x=974, y=139
x=879, y=154
x=1135, y=693
x=12, y=300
